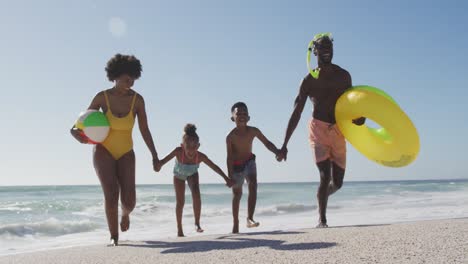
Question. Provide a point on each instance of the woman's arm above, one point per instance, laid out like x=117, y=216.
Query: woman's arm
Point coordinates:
x=144, y=129
x=95, y=105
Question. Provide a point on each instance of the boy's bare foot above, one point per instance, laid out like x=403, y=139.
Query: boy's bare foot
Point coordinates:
x=125, y=223
x=251, y=223
x=321, y=225
x=180, y=233
x=113, y=242
x=199, y=229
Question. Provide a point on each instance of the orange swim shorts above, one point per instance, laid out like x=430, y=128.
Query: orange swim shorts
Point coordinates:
x=327, y=142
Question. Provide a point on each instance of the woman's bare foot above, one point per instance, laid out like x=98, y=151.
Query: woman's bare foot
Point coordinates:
x=114, y=241
x=199, y=229
x=125, y=223
x=180, y=233
x=321, y=225
x=251, y=223
x=235, y=228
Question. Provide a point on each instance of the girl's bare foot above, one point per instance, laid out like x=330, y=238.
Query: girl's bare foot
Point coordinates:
x=180, y=233
x=199, y=229
x=251, y=223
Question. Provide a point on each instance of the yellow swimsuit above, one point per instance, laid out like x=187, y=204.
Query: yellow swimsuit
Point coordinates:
x=119, y=141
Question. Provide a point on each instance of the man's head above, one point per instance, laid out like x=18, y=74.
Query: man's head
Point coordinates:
x=323, y=48
x=240, y=113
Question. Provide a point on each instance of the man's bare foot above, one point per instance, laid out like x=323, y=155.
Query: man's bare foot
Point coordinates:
x=321, y=225
x=180, y=233
x=125, y=223
x=251, y=223
x=199, y=229
x=113, y=242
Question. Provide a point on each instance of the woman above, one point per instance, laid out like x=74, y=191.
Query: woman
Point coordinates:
x=114, y=159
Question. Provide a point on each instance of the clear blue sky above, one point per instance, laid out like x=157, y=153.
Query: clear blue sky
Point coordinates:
x=199, y=57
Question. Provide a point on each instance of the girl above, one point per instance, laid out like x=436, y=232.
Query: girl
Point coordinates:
x=188, y=159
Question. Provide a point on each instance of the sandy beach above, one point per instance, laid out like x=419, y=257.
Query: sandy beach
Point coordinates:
x=435, y=241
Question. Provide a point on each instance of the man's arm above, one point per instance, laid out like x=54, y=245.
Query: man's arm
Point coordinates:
x=358, y=121
x=295, y=116
x=270, y=146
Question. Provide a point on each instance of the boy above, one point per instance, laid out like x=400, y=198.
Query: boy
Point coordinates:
x=241, y=161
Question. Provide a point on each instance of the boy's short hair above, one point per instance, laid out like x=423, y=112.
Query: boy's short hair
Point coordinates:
x=237, y=105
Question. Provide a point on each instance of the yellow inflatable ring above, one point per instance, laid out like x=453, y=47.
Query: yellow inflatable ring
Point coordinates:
x=395, y=144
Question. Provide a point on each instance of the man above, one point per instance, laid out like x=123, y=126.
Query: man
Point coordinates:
x=328, y=144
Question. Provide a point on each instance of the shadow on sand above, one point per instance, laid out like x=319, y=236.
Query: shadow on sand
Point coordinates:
x=232, y=242
x=369, y=225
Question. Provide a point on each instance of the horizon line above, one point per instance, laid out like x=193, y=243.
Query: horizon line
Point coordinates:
x=151, y=184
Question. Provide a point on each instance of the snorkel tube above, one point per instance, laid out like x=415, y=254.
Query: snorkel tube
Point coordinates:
x=313, y=72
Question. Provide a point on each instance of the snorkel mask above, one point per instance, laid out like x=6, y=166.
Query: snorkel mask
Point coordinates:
x=315, y=72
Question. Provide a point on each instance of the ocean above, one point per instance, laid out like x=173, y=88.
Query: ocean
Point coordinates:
x=45, y=217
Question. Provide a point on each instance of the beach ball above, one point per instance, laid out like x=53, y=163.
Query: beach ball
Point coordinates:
x=94, y=125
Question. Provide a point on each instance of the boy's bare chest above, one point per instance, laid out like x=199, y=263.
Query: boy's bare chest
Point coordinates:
x=242, y=141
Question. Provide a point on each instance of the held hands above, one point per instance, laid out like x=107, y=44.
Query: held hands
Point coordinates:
x=157, y=165
x=229, y=182
x=282, y=154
